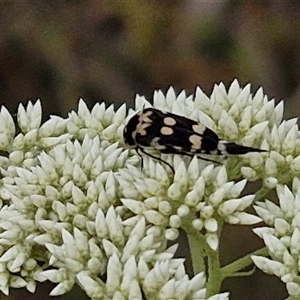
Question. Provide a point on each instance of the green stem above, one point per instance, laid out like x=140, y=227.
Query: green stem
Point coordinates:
x=261, y=194
x=234, y=267
x=199, y=251
x=215, y=278
x=197, y=244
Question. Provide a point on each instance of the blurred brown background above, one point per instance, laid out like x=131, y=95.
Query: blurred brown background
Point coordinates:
x=59, y=51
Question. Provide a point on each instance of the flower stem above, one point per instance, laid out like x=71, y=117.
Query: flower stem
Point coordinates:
x=234, y=267
x=261, y=194
x=200, y=250
x=197, y=244
x=214, y=274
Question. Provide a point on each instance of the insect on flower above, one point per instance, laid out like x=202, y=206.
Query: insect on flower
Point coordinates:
x=152, y=129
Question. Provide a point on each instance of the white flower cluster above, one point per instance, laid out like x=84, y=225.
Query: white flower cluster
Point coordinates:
x=127, y=264
x=76, y=206
x=60, y=193
x=52, y=182
x=203, y=192
x=282, y=237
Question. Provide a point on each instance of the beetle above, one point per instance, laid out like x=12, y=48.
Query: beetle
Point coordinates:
x=173, y=134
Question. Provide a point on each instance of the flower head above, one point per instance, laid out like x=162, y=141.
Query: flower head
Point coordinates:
x=282, y=236
x=76, y=199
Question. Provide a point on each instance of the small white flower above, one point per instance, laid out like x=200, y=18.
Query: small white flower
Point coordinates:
x=223, y=296
x=29, y=119
x=212, y=241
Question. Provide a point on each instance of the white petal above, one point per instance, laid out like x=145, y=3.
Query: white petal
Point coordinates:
x=137, y=207
x=295, y=165
x=222, y=296
x=90, y=286
x=293, y=289
x=270, y=167
x=175, y=221
x=269, y=266
x=211, y=225
x=295, y=242
x=17, y=282
x=171, y=234
x=245, y=218
x=282, y=227
x=183, y=210
x=114, y=273
x=248, y=173
x=167, y=291
x=270, y=182
x=213, y=241
x=155, y=217
x=174, y=191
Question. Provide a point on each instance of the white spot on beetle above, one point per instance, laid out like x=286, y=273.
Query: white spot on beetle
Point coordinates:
x=199, y=128
x=166, y=130
x=169, y=121
x=196, y=141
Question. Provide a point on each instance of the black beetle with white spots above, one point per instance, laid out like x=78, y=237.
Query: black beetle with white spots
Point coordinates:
x=153, y=129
